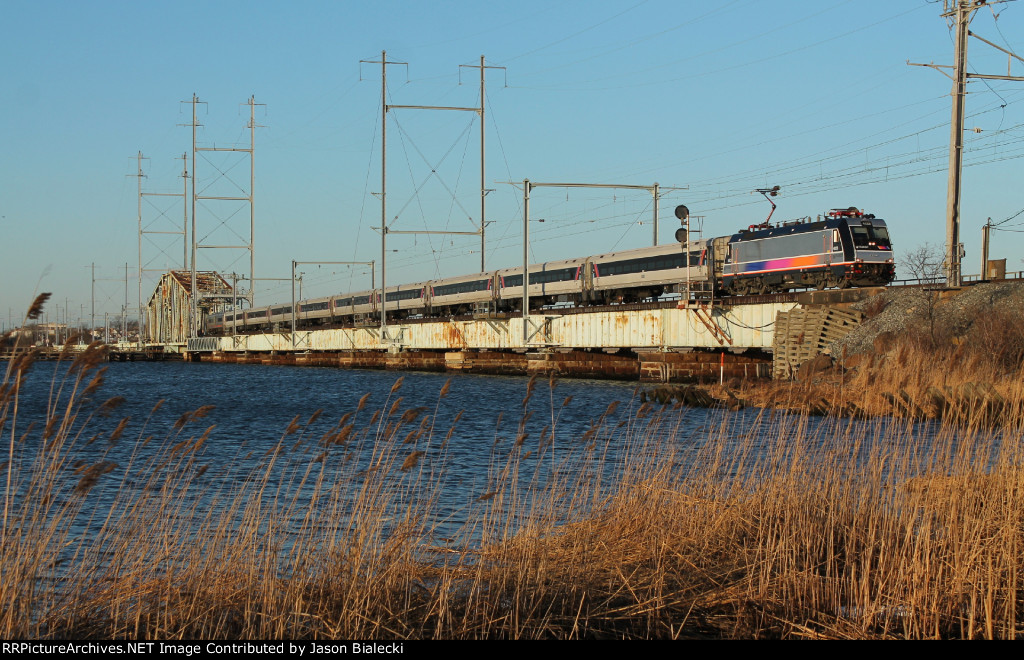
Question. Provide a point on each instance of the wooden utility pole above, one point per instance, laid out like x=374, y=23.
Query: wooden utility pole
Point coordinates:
x=961, y=16
x=959, y=13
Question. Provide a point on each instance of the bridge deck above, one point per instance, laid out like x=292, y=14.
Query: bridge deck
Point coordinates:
x=737, y=327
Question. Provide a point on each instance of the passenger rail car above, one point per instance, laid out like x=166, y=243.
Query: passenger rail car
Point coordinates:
x=634, y=275
x=844, y=248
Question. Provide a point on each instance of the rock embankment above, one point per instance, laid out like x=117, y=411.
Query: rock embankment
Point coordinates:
x=948, y=313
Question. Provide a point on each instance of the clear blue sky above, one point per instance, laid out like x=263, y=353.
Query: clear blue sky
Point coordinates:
x=722, y=98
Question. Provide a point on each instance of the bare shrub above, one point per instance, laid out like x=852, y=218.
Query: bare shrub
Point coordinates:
x=923, y=262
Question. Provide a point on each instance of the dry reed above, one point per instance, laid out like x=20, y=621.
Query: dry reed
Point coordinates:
x=670, y=524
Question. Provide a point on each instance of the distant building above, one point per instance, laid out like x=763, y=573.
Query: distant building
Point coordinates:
x=169, y=308
x=49, y=334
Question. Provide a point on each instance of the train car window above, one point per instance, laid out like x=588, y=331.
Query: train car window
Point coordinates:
x=360, y=300
x=281, y=310
x=313, y=307
x=666, y=262
x=512, y=280
x=462, y=287
x=403, y=295
x=547, y=276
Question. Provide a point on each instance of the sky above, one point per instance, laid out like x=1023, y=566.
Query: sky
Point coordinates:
x=709, y=100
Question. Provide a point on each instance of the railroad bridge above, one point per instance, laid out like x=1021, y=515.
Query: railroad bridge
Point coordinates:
x=749, y=337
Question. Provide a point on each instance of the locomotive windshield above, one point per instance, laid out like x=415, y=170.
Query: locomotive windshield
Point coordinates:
x=869, y=237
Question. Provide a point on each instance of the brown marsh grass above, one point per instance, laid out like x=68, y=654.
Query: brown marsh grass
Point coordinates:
x=971, y=379
x=765, y=524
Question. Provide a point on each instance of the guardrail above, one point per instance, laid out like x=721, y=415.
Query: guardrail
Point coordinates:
x=971, y=279
x=1012, y=275
x=916, y=281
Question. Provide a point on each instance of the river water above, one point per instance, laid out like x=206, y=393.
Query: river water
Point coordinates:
x=465, y=431
x=467, y=436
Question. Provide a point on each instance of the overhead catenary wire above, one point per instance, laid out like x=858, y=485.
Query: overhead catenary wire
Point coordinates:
x=704, y=72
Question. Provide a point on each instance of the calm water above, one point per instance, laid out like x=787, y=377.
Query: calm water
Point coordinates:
x=253, y=406
x=463, y=460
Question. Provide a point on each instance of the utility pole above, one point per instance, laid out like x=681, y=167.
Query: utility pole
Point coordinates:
x=318, y=263
x=483, y=186
x=985, y=232
x=93, y=325
x=383, y=183
x=526, y=261
x=959, y=14
x=530, y=185
x=139, y=175
x=195, y=309
x=124, y=316
x=383, y=193
x=961, y=17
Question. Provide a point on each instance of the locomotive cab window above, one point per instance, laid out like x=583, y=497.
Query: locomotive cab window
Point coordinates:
x=867, y=237
x=881, y=236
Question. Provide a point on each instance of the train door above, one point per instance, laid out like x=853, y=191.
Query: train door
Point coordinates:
x=719, y=252
x=586, y=278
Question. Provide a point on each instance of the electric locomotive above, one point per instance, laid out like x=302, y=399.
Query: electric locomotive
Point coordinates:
x=846, y=248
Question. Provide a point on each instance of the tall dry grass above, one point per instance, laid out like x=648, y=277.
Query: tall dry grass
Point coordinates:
x=971, y=379
x=667, y=525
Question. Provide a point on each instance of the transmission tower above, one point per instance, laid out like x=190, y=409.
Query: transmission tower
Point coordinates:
x=248, y=198
x=143, y=229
